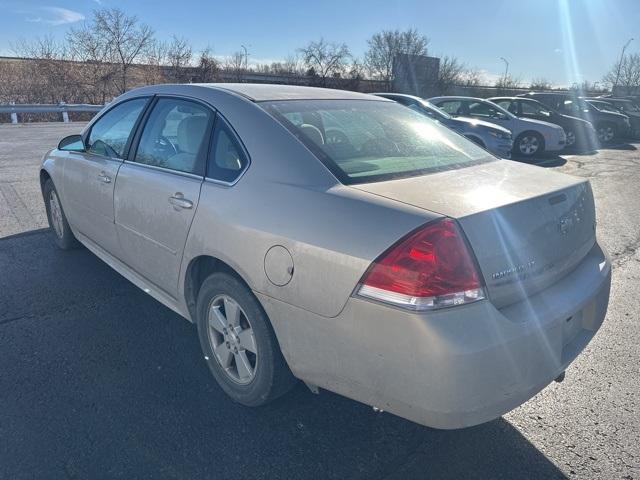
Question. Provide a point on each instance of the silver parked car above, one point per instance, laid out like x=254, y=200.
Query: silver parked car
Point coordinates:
x=531, y=137
x=496, y=139
x=338, y=238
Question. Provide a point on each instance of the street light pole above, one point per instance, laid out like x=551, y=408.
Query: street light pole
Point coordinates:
x=246, y=57
x=506, y=69
x=615, y=84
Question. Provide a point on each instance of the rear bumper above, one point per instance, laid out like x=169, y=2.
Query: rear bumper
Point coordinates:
x=453, y=368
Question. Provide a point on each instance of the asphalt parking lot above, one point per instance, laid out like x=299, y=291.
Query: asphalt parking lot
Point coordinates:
x=97, y=380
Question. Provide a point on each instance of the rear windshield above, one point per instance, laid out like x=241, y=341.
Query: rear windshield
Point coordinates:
x=367, y=141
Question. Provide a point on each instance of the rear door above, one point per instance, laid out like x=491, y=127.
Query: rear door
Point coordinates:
x=158, y=188
x=89, y=177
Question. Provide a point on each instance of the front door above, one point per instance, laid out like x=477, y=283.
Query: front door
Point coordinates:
x=90, y=176
x=489, y=113
x=158, y=189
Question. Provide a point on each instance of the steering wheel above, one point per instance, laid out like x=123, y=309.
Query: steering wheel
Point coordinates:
x=335, y=137
x=164, y=146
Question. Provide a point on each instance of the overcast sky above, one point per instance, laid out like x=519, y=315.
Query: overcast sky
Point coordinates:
x=563, y=41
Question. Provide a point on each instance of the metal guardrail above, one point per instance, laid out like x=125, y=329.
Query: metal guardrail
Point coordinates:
x=63, y=108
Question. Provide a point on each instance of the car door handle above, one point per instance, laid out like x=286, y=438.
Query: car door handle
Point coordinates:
x=178, y=201
x=104, y=178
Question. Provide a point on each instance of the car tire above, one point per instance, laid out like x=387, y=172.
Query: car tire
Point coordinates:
x=571, y=139
x=606, y=132
x=62, y=234
x=529, y=144
x=231, y=323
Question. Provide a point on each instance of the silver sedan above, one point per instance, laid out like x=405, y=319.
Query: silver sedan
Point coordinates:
x=340, y=239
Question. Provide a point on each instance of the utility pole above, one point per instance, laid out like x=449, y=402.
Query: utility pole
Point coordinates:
x=506, y=70
x=615, y=84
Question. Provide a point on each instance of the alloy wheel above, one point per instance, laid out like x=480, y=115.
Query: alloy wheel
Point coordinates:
x=529, y=145
x=571, y=138
x=605, y=134
x=56, y=214
x=232, y=339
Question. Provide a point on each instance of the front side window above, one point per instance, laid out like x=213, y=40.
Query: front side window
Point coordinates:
x=364, y=141
x=507, y=105
x=452, y=107
x=174, y=136
x=534, y=108
x=111, y=132
x=227, y=160
x=486, y=110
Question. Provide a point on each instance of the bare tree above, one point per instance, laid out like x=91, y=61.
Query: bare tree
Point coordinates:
x=234, y=64
x=626, y=71
x=450, y=73
x=155, y=59
x=179, y=55
x=208, y=67
x=507, y=82
x=471, y=77
x=124, y=38
x=293, y=65
x=325, y=59
x=384, y=46
x=46, y=78
x=540, y=84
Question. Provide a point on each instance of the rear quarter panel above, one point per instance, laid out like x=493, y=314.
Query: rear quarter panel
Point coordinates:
x=332, y=234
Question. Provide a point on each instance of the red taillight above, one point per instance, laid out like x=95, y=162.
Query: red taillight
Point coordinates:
x=430, y=268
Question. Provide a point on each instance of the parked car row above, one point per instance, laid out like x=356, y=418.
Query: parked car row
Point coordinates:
x=531, y=124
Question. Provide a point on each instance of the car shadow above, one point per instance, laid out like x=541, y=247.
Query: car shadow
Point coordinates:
x=97, y=379
x=547, y=160
x=621, y=146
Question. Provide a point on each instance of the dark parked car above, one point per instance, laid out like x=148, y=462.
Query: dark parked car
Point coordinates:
x=623, y=105
x=580, y=133
x=496, y=139
x=609, y=125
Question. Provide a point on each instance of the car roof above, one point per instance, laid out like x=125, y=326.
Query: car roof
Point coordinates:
x=491, y=99
x=392, y=94
x=260, y=92
x=461, y=97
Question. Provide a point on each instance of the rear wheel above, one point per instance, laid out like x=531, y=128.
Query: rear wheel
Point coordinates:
x=529, y=144
x=571, y=138
x=239, y=344
x=62, y=233
x=606, y=132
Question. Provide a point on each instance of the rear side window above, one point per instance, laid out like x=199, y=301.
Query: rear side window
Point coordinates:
x=175, y=136
x=452, y=107
x=364, y=141
x=111, y=132
x=227, y=159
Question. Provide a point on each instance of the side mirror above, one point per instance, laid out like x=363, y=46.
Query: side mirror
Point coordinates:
x=72, y=143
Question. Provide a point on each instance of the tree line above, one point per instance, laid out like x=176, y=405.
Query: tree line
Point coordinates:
x=113, y=52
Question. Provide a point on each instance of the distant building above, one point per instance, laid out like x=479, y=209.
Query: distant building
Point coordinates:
x=416, y=75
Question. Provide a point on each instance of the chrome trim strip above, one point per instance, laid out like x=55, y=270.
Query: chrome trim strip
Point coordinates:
x=163, y=169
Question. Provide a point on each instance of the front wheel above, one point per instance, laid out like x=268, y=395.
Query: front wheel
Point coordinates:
x=62, y=233
x=529, y=144
x=606, y=133
x=239, y=344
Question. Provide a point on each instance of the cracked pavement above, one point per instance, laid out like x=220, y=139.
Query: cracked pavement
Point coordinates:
x=97, y=380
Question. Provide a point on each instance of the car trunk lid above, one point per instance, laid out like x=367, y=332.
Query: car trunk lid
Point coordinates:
x=527, y=226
